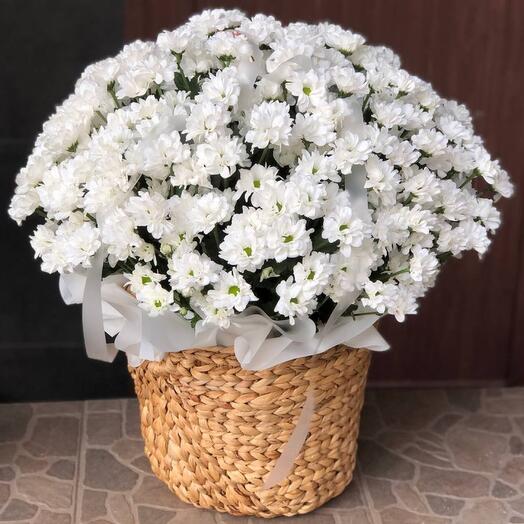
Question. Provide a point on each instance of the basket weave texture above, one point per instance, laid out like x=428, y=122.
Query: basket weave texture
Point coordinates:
x=213, y=431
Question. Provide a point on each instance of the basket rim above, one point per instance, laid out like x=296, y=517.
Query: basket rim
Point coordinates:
x=224, y=356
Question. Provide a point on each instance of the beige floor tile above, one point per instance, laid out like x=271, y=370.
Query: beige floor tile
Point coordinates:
x=437, y=457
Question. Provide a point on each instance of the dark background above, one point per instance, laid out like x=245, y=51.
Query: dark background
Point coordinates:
x=470, y=328
x=46, y=44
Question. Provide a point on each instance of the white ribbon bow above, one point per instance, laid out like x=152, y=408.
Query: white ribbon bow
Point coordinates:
x=259, y=341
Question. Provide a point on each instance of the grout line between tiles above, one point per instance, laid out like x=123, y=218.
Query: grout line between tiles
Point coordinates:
x=368, y=501
x=79, y=464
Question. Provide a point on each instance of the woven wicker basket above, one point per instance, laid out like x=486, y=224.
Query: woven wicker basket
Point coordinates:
x=213, y=431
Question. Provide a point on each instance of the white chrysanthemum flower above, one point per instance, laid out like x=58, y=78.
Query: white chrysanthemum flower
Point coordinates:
x=230, y=46
x=378, y=295
x=351, y=273
x=351, y=151
x=488, y=214
x=279, y=198
x=222, y=87
x=403, y=154
x=190, y=272
x=81, y=240
x=312, y=195
x=119, y=236
x=348, y=81
x=502, y=184
x=150, y=210
x=454, y=204
x=210, y=313
x=468, y=234
x=43, y=239
x=288, y=238
x=59, y=193
x=175, y=41
x=292, y=301
x=383, y=179
x=155, y=299
x=145, y=64
x=220, y=163
x=390, y=227
x=211, y=209
x=403, y=302
x=314, y=272
x=221, y=156
x=261, y=29
x=316, y=128
x=141, y=276
x=269, y=123
x=155, y=157
x=23, y=204
x=309, y=89
x=344, y=228
x=390, y=113
x=244, y=245
x=421, y=186
x=430, y=141
x=206, y=120
x=454, y=130
x=318, y=166
x=190, y=173
x=256, y=179
x=70, y=245
x=231, y=292
x=246, y=251
x=423, y=265
x=341, y=39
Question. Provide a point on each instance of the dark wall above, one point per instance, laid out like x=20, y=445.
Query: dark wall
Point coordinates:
x=470, y=328
x=45, y=46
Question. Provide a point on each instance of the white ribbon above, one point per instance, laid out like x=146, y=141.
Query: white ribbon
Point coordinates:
x=259, y=342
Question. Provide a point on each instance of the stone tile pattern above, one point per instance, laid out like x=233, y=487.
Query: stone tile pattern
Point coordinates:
x=431, y=456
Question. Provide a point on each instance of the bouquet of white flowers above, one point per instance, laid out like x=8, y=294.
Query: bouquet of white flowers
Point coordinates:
x=238, y=162
x=271, y=188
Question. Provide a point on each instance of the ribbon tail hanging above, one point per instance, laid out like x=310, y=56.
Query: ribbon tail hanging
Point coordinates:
x=92, y=316
x=293, y=446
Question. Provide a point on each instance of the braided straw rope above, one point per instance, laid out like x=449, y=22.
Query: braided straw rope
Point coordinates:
x=213, y=430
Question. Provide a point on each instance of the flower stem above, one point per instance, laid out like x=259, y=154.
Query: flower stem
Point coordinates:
x=473, y=175
x=111, y=91
x=263, y=155
x=392, y=275
x=102, y=117
x=40, y=212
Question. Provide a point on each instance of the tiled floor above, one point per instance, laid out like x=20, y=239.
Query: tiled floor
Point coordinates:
x=429, y=457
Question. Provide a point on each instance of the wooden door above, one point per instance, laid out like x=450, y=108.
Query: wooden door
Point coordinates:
x=470, y=328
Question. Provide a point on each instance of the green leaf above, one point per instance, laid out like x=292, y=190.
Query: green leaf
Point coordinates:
x=73, y=147
x=181, y=81
x=226, y=60
x=267, y=272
